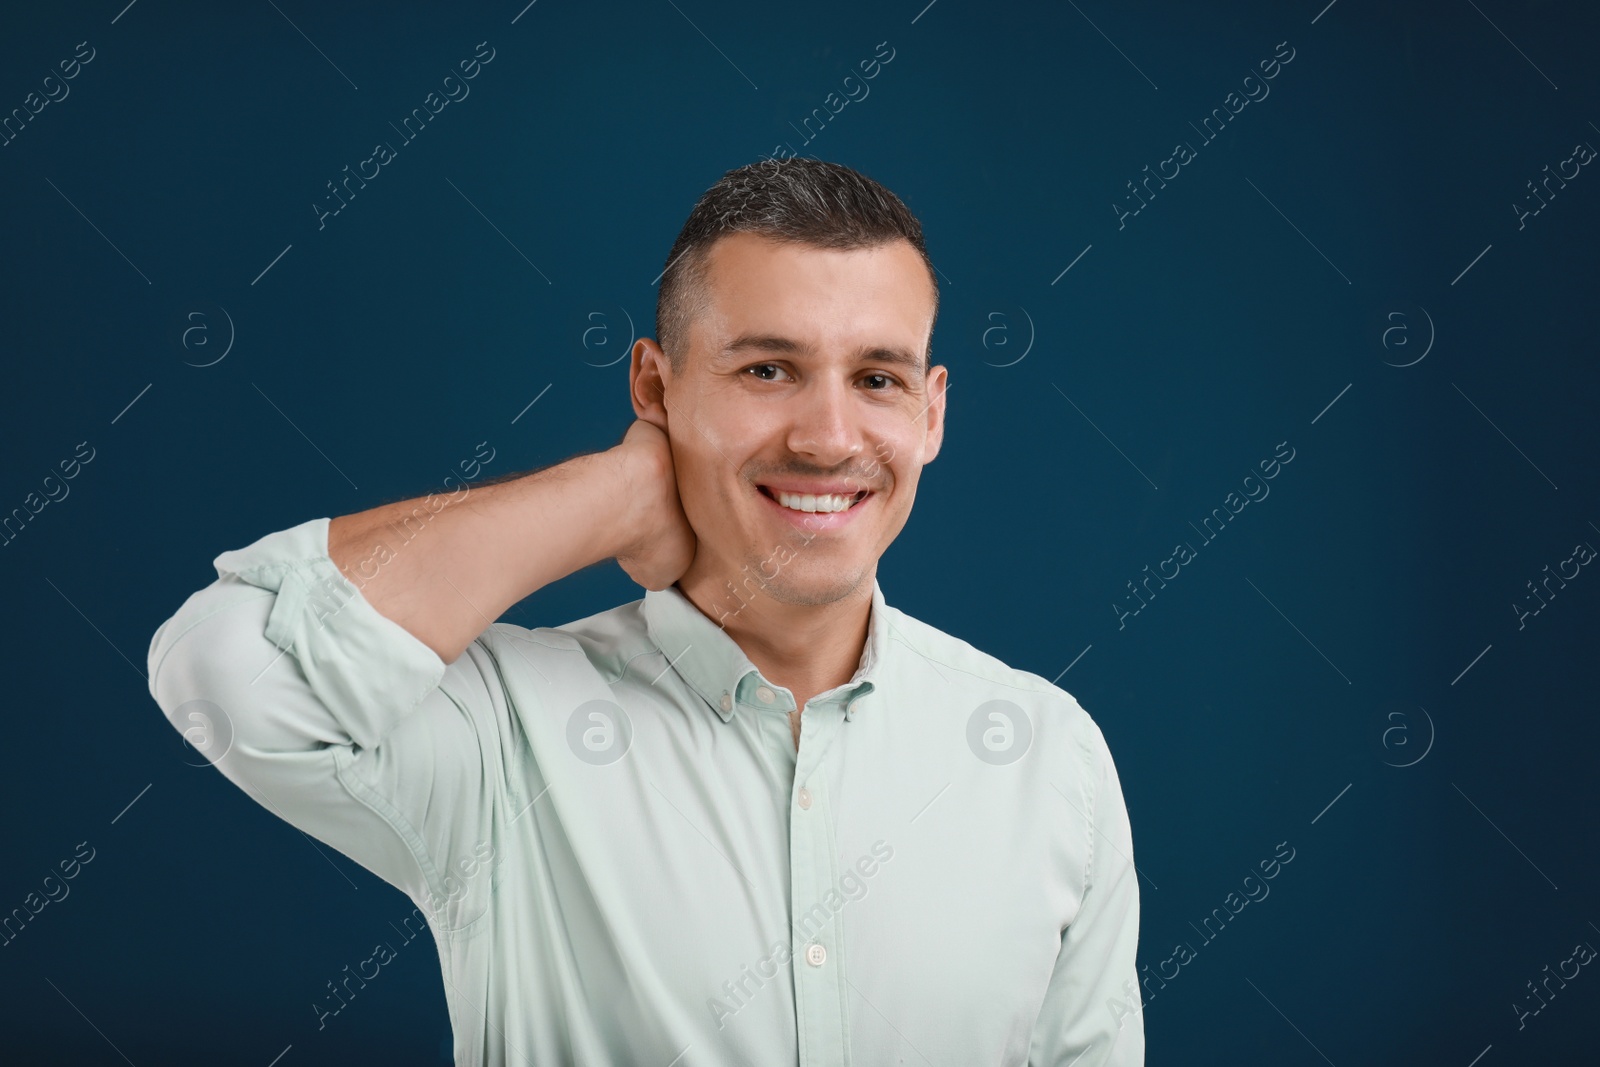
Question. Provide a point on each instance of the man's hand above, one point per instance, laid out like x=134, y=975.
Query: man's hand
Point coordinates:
x=662, y=544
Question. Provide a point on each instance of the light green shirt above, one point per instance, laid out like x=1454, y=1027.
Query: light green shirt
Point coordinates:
x=623, y=858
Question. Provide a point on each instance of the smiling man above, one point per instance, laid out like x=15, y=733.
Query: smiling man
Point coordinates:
x=757, y=815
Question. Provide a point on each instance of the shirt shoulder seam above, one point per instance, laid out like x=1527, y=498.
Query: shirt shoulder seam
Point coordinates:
x=1092, y=787
x=1018, y=678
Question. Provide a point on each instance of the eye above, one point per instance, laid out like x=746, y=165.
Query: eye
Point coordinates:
x=763, y=366
x=886, y=379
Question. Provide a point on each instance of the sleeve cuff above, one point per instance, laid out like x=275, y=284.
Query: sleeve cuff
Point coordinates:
x=367, y=669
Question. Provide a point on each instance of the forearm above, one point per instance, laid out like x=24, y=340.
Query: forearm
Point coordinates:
x=445, y=573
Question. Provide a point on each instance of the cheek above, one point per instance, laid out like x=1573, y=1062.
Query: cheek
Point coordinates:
x=902, y=487
x=898, y=460
x=702, y=502
x=708, y=492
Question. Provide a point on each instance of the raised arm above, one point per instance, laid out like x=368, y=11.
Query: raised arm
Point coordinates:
x=444, y=569
x=320, y=687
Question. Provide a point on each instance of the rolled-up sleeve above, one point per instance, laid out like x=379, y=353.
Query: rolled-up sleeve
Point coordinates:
x=1092, y=1014
x=340, y=721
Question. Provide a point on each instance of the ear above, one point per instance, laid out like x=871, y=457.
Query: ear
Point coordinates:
x=648, y=377
x=938, y=385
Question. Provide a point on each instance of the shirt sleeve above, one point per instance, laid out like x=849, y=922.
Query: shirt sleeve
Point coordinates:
x=341, y=722
x=1092, y=1014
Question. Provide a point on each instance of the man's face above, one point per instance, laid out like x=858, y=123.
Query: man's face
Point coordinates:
x=803, y=378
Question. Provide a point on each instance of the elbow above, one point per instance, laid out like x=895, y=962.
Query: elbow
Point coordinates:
x=206, y=670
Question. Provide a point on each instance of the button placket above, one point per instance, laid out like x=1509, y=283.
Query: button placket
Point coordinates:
x=816, y=916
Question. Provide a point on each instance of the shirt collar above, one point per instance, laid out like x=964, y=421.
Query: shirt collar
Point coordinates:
x=706, y=657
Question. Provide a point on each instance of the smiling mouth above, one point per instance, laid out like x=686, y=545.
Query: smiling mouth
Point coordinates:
x=823, y=504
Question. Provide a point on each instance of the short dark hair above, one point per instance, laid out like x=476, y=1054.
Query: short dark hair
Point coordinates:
x=803, y=201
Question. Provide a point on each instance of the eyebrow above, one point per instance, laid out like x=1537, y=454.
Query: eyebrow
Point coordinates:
x=760, y=342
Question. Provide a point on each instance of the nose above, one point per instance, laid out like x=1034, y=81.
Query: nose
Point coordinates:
x=825, y=424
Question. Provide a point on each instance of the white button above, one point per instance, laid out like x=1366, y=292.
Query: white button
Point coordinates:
x=727, y=702
x=805, y=797
x=815, y=954
x=765, y=695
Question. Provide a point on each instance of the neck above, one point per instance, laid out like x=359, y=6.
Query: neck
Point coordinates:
x=806, y=648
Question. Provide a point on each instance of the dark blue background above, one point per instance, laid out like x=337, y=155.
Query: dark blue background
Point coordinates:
x=1318, y=642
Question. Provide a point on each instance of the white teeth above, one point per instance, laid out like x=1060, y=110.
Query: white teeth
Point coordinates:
x=828, y=502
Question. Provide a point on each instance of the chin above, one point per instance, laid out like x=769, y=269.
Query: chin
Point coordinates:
x=819, y=584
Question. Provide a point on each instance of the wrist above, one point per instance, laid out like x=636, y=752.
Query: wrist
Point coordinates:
x=628, y=473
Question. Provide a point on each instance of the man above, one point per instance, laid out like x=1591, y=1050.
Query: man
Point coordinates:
x=757, y=816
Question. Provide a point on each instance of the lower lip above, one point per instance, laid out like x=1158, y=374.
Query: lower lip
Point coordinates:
x=816, y=521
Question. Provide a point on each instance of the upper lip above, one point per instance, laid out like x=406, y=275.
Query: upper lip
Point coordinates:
x=815, y=488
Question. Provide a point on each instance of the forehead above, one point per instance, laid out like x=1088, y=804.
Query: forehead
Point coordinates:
x=819, y=296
